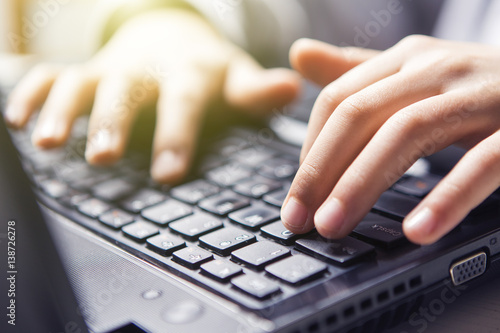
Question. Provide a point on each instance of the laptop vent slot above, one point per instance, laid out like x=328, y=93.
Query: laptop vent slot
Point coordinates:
x=415, y=282
x=383, y=296
x=388, y=318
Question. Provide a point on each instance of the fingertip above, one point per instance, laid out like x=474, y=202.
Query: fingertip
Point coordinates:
x=169, y=167
x=263, y=90
x=49, y=134
x=12, y=118
x=419, y=226
x=298, y=49
x=103, y=148
x=295, y=216
x=284, y=85
x=330, y=219
x=16, y=113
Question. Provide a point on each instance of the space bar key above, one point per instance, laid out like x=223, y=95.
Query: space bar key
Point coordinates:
x=340, y=251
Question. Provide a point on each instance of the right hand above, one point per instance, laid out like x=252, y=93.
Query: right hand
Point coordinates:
x=172, y=57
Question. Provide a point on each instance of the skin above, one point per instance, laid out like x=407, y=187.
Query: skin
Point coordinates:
x=377, y=114
x=416, y=98
x=182, y=69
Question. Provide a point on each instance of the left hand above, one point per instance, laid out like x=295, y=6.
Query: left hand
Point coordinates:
x=379, y=113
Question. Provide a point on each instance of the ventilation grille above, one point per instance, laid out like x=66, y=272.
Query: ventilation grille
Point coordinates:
x=365, y=305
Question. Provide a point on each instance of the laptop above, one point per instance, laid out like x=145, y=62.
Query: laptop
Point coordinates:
x=210, y=255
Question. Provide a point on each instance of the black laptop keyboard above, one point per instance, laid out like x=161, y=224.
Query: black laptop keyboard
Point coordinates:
x=221, y=229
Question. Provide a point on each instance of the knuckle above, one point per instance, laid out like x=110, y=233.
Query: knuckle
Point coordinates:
x=415, y=42
x=448, y=65
x=307, y=175
x=406, y=123
x=489, y=157
x=354, y=108
x=452, y=189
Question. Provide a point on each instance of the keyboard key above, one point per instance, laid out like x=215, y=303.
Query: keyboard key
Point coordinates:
x=194, y=226
x=45, y=160
x=253, y=156
x=259, y=254
x=224, y=203
x=87, y=184
x=209, y=162
x=416, y=186
x=380, y=230
x=144, y=198
x=341, y=251
x=297, y=269
x=279, y=168
x=116, y=218
x=54, y=188
x=113, y=189
x=221, y=270
x=256, y=286
x=229, y=174
x=230, y=145
x=140, y=230
x=73, y=198
x=395, y=205
x=192, y=257
x=256, y=187
x=167, y=212
x=276, y=198
x=195, y=191
x=73, y=170
x=165, y=244
x=278, y=232
x=226, y=240
x=93, y=207
x=254, y=217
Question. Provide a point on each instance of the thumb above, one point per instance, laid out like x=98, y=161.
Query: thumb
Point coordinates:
x=323, y=63
x=250, y=87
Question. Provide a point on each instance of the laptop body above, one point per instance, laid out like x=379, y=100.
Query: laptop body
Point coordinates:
x=124, y=283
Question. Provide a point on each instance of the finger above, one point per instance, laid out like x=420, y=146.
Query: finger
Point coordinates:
x=29, y=94
x=117, y=101
x=472, y=180
x=180, y=112
x=417, y=130
x=358, y=78
x=71, y=94
x=323, y=63
x=346, y=133
x=254, y=89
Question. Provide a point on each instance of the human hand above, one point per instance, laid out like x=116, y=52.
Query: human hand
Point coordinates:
x=171, y=57
x=378, y=114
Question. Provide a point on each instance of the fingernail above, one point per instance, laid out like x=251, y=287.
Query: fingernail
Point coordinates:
x=421, y=222
x=47, y=133
x=294, y=214
x=104, y=148
x=168, y=166
x=330, y=216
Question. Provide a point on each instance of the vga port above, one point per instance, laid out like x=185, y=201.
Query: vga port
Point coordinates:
x=468, y=268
